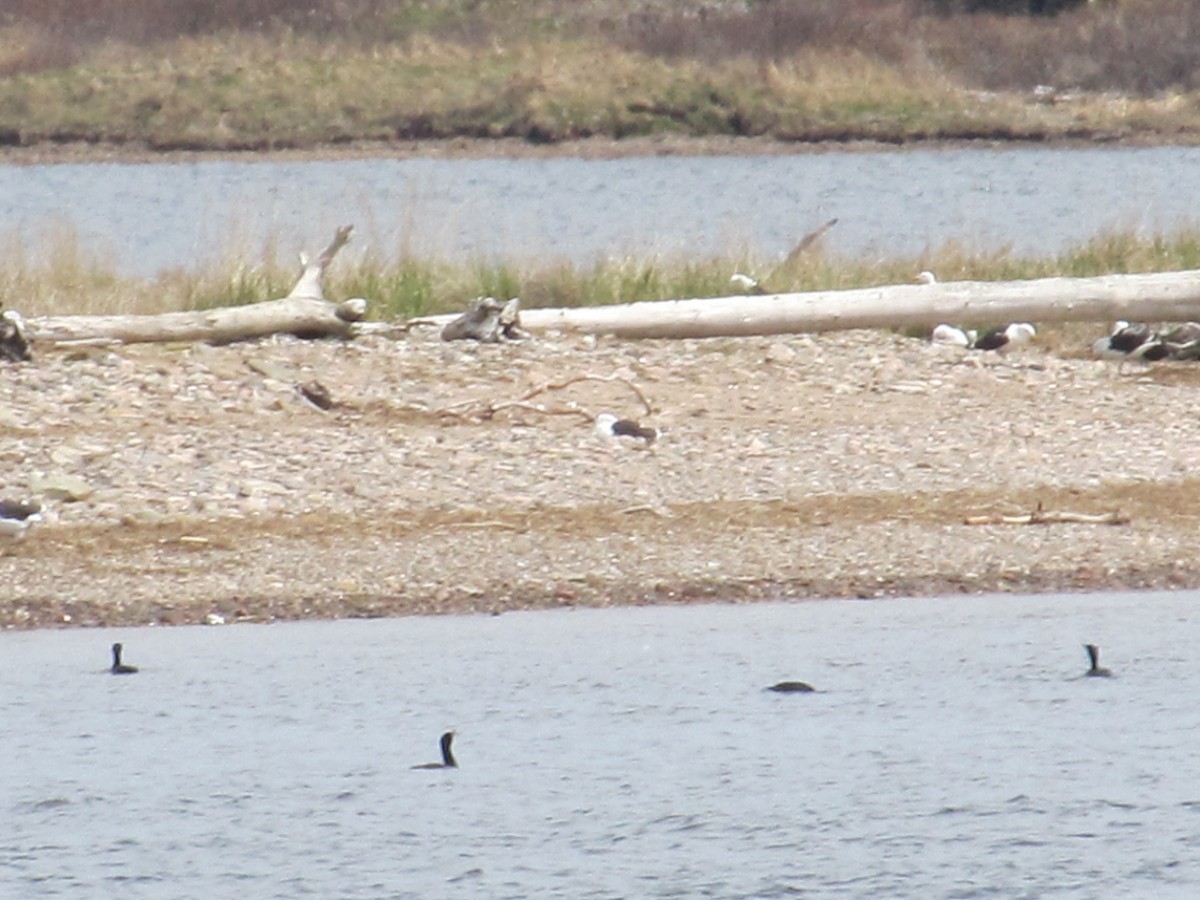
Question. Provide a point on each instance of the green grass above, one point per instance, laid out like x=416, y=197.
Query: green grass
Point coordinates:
x=65, y=280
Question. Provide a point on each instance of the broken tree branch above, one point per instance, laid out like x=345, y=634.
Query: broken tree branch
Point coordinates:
x=303, y=312
x=482, y=410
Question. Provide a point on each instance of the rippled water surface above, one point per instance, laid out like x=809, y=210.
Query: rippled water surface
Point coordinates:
x=154, y=216
x=953, y=751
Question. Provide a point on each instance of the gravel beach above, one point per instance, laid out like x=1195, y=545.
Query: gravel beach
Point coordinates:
x=190, y=483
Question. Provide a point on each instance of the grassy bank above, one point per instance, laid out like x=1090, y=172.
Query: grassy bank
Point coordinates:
x=68, y=280
x=262, y=75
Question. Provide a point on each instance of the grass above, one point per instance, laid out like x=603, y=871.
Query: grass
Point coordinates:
x=65, y=280
x=273, y=74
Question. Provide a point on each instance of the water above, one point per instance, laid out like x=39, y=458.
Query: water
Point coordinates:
x=149, y=217
x=953, y=751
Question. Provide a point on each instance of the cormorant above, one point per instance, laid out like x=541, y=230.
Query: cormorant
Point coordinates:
x=792, y=687
x=448, y=761
x=1096, y=671
x=118, y=667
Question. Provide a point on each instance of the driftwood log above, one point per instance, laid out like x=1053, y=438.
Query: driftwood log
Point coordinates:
x=1049, y=517
x=1158, y=297
x=488, y=321
x=304, y=312
x=14, y=345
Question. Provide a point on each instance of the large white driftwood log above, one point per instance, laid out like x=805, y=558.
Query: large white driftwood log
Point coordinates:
x=1158, y=297
x=304, y=311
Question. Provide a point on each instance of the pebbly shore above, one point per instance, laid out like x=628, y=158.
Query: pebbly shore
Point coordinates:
x=189, y=483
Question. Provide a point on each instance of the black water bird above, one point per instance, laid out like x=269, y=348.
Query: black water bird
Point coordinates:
x=448, y=760
x=792, y=687
x=1097, y=670
x=118, y=667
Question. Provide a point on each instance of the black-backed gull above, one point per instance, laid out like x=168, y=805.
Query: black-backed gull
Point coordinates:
x=609, y=426
x=1006, y=337
x=1132, y=340
x=17, y=515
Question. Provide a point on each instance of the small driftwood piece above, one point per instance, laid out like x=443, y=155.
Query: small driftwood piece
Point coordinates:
x=483, y=410
x=14, y=345
x=488, y=321
x=1049, y=517
x=303, y=312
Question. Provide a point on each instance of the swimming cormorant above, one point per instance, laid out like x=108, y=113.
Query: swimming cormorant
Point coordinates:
x=792, y=687
x=118, y=667
x=448, y=760
x=1096, y=671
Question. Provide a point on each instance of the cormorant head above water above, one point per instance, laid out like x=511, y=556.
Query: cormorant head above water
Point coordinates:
x=448, y=760
x=1096, y=671
x=118, y=667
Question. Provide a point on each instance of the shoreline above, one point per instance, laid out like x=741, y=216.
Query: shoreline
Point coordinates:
x=45, y=614
x=598, y=148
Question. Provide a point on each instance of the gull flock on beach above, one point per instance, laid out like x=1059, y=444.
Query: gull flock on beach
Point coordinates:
x=1126, y=341
x=1000, y=338
x=1137, y=340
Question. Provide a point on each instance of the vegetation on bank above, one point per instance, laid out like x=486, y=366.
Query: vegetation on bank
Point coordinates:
x=264, y=74
x=71, y=281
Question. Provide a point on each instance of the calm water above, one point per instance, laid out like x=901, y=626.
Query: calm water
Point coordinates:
x=952, y=752
x=155, y=216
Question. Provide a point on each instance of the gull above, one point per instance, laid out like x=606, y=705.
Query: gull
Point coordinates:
x=1131, y=340
x=17, y=515
x=610, y=427
x=1006, y=337
x=952, y=336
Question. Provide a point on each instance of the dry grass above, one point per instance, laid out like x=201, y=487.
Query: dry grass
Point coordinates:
x=62, y=279
x=271, y=74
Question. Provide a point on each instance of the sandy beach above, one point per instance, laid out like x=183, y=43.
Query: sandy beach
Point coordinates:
x=190, y=483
